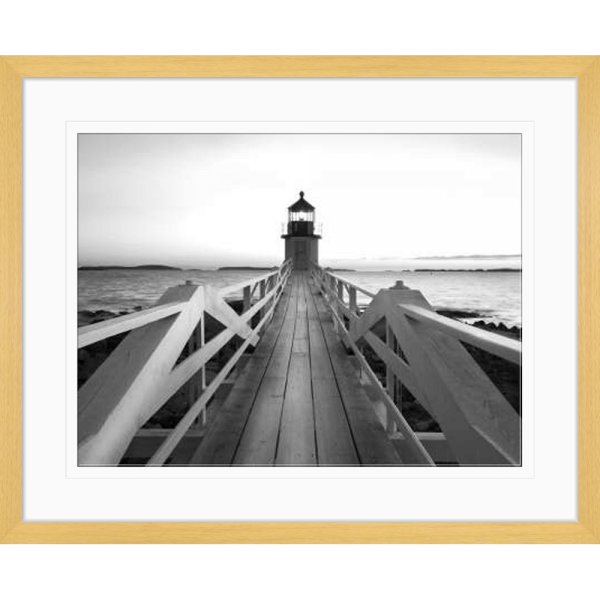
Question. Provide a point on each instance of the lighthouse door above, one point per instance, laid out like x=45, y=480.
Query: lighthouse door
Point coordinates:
x=300, y=255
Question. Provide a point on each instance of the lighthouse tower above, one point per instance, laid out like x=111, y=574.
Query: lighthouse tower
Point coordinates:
x=301, y=241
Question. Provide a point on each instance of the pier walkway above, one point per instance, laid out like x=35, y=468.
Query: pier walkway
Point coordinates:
x=306, y=369
x=298, y=400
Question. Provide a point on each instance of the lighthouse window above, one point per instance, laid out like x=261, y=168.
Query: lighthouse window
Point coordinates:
x=301, y=216
x=304, y=216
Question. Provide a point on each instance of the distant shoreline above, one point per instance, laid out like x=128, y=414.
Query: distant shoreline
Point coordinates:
x=500, y=270
x=432, y=270
x=471, y=257
x=136, y=268
x=167, y=268
x=339, y=270
x=247, y=268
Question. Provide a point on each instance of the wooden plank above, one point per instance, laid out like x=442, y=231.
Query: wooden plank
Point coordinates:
x=297, y=434
x=218, y=447
x=332, y=431
x=217, y=307
x=335, y=446
x=258, y=444
x=89, y=334
x=371, y=441
x=222, y=438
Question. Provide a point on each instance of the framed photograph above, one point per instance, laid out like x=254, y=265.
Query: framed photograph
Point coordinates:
x=367, y=280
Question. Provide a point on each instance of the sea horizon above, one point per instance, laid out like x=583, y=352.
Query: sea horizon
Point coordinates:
x=458, y=262
x=495, y=296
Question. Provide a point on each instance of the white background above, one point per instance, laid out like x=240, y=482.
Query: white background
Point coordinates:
x=545, y=489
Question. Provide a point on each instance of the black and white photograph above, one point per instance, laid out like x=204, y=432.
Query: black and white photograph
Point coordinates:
x=299, y=299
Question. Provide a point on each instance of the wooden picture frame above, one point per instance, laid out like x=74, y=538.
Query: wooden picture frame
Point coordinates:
x=14, y=68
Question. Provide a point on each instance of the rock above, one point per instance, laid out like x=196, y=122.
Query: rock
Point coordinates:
x=86, y=317
x=104, y=314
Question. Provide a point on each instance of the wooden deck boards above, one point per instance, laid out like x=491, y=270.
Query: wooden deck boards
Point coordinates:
x=298, y=401
x=332, y=431
x=258, y=444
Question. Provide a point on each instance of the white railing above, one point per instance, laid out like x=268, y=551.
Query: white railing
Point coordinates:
x=142, y=373
x=423, y=352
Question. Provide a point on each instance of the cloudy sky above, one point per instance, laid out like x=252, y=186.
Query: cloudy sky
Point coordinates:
x=209, y=200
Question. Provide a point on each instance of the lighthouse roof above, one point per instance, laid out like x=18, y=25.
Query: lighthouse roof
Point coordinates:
x=301, y=205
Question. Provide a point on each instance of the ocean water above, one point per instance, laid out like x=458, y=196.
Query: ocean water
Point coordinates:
x=495, y=296
x=116, y=289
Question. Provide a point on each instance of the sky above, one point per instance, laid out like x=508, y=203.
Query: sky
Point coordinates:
x=211, y=200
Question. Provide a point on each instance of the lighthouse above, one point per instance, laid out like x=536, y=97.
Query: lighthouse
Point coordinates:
x=301, y=241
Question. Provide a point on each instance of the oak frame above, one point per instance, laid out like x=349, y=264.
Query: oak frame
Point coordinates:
x=14, y=68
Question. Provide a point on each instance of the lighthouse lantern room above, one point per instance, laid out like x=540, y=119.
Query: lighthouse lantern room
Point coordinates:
x=301, y=242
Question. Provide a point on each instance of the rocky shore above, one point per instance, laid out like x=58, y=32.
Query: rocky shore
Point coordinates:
x=506, y=376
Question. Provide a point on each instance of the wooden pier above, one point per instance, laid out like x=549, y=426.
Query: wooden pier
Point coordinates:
x=298, y=401
x=306, y=395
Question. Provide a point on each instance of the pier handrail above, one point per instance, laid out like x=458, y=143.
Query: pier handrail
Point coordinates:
x=90, y=334
x=423, y=352
x=142, y=373
x=493, y=343
x=240, y=285
x=349, y=285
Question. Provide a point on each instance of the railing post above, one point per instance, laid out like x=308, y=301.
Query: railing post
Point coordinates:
x=193, y=384
x=393, y=384
x=263, y=292
x=191, y=347
x=272, y=285
x=247, y=299
x=197, y=383
x=352, y=300
x=339, y=294
x=329, y=295
x=398, y=394
x=203, y=369
x=390, y=378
